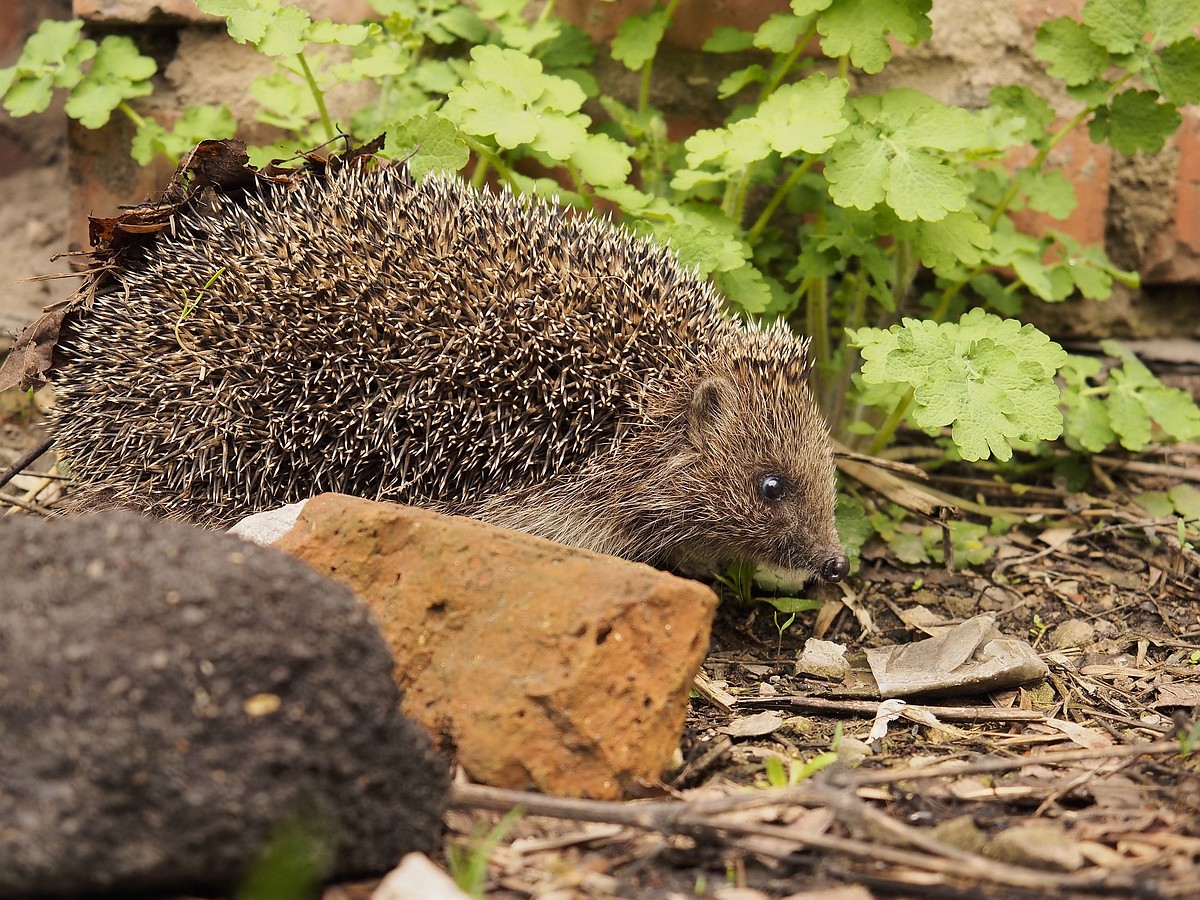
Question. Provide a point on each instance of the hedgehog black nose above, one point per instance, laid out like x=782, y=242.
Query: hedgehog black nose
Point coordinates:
x=835, y=568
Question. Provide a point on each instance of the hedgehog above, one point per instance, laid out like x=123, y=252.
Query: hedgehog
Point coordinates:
x=470, y=351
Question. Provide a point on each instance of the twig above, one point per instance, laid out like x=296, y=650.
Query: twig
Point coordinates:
x=871, y=708
x=991, y=766
x=676, y=816
x=24, y=460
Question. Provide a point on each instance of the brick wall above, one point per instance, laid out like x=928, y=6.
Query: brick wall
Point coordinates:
x=1146, y=209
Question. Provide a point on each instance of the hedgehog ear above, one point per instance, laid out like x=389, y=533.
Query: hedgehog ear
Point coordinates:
x=712, y=400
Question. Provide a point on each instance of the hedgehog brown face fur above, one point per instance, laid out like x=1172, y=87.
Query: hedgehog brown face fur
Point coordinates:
x=756, y=432
x=729, y=462
x=476, y=353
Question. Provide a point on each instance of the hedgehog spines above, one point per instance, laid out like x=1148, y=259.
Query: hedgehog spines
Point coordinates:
x=473, y=352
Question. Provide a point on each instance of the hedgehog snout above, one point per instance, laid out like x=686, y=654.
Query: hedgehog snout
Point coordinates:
x=835, y=568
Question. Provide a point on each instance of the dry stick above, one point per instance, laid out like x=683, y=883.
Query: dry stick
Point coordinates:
x=1145, y=468
x=677, y=816
x=682, y=816
x=37, y=508
x=24, y=460
x=955, y=768
x=871, y=708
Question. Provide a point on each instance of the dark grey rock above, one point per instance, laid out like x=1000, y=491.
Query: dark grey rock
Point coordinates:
x=169, y=697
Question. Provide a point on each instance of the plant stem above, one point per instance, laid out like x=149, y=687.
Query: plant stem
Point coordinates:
x=884, y=435
x=780, y=195
x=818, y=303
x=133, y=115
x=785, y=66
x=318, y=96
x=488, y=158
x=139, y=120
x=580, y=185
x=648, y=68
x=854, y=317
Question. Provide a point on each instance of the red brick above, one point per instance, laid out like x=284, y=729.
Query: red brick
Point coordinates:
x=691, y=26
x=142, y=12
x=1086, y=166
x=104, y=176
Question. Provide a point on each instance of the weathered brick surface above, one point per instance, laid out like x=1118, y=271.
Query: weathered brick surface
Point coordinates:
x=157, y=12
x=1087, y=167
x=541, y=666
x=1174, y=255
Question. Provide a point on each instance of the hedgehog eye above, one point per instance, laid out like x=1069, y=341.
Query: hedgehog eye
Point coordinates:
x=773, y=488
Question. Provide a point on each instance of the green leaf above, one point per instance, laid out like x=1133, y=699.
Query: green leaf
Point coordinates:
x=1086, y=423
x=858, y=169
x=853, y=526
x=1137, y=400
x=1069, y=49
x=698, y=245
x=52, y=57
x=1031, y=107
x=805, y=116
x=950, y=242
x=860, y=28
x=1156, y=503
x=602, y=161
x=461, y=22
x=780, y=33
x=890, y=159
x=728, y=40
x=570, y=48
x=735, y=81
x=638, y=38
x=285, y=33
x=1176, y=72
x=324, y=31
x=51, y=45
x=430, y=142
x=198, y=123
x=747, y=289
x=29, y=95
x=967, y=540
x=245, y=21
x=528, y=36
x=1023, y=254
x=119, y=72
x=508, y=97
x=1117, y=25
x=1049, y=192
x=867, y=169
x=1186, y=500
x=990, y=379
x=1170, y=20
x=805, y=8
x=1136, y=121
x=283, y=101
